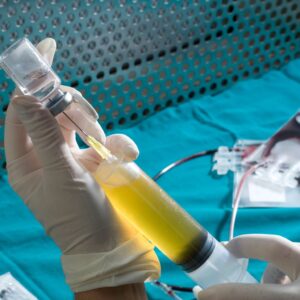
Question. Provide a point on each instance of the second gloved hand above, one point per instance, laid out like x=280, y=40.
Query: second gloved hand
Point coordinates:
x=281, y=281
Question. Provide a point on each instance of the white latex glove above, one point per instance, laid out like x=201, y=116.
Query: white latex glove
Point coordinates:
x=277, y=285
x=50, y=173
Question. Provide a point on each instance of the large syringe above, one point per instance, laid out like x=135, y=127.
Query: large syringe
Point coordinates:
x=132, y=193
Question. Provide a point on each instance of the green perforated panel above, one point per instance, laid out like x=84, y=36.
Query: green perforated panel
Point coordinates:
x=133, y=58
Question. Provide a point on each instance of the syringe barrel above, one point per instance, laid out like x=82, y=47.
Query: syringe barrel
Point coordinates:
x=162, y=221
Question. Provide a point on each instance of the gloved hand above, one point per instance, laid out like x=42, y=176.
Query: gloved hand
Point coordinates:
x=281, y=280
x=50, y=173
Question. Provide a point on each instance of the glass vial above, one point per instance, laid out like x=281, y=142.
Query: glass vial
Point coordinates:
x=26, y=67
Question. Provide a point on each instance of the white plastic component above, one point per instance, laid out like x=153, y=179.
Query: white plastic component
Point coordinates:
x=11, y=289
x=222, y=267
x=196, y=290
x=226, y=160
x=262, y=192
x=276, y=182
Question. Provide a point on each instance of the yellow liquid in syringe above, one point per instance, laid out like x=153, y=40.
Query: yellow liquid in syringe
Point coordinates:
x=151, y=211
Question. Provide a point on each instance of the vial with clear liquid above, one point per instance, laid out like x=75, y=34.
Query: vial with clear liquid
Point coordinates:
x=23, y=63
x=32, y=74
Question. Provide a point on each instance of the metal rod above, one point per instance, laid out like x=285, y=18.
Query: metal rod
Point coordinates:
x=73, y=122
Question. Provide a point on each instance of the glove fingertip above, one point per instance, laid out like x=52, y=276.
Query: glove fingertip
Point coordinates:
x=122, y=146
x=196, y=290
x=71, y=90
x=131, y=152
x=47, y=48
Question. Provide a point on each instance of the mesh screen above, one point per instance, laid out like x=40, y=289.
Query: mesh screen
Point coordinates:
x=133, y=58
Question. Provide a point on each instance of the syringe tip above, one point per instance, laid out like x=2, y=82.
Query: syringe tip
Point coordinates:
x=98, y=147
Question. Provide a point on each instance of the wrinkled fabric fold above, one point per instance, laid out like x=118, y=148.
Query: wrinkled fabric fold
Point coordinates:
x=106, y=269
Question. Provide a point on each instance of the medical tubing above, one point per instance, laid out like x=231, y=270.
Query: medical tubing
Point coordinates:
x=237, y=199
x=238, y=196
x=162, y=221
x=181, y=161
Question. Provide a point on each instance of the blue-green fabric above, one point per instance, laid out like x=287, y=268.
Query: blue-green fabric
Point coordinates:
x=252, y=109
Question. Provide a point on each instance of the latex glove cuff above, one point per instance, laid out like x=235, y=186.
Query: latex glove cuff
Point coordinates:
x=106, y=269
